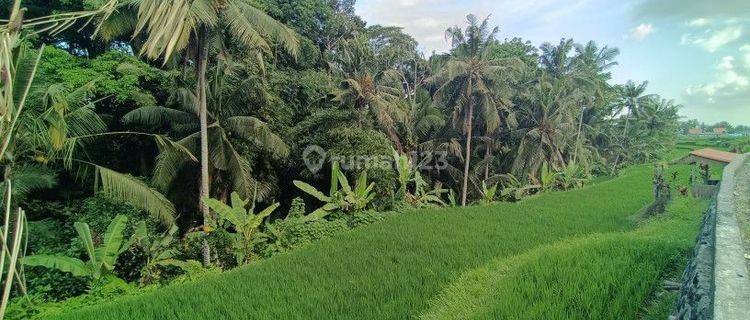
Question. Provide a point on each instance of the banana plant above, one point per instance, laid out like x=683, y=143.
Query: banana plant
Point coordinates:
x=423, y=198
x=406, y=174
x=488, y=193
x=345, y=199
x=452, y=202
x=573, y=176
x=101, y=259
x=547, y=178
x=159, y=249
x=245, y=222
x=515, y=189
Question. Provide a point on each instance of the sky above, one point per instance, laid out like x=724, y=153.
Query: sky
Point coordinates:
x=696, y=52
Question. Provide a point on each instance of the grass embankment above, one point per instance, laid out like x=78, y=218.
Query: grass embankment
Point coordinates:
x=391, y=270
x=603, y=276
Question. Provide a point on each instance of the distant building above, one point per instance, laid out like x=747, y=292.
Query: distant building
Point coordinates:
x=710, y=156
x=720, y=130
x=695, y=131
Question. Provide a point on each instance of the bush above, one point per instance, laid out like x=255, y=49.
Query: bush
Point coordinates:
x=291, y=234
x=36, y=307
x=364, y=218
x=351, y=145
x=220, y=242
x=98, y=211
x=52, y=237
x=296, y=209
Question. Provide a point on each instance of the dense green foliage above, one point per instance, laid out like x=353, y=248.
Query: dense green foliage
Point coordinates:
x=165, y=119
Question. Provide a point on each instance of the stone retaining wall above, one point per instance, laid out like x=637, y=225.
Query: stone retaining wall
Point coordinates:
x=716, y=283
x=696, y=294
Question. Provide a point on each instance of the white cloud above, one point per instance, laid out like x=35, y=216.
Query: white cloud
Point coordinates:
x=409, y=3
x=700, y=22
x=725, y=97
x=728, y=80
x=713, y=40
x=641, y=32
x=746, y=51
x=427, y=20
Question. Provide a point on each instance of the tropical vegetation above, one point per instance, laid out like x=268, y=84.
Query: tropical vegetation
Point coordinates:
x=149, y=147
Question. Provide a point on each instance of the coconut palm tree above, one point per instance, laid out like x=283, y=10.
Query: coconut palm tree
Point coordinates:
x=557, y=59
x=195, y=27
x=375, y=92
x=233, y=90
x=423, y=120
x=546, y=121
x=595, y=60
x=466, y=81
x=593, y=65
x=632, y=96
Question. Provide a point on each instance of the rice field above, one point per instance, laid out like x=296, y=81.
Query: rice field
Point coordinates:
x=603, y=276
x=540, y=252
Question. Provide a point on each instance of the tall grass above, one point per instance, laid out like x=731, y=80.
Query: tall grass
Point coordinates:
x=390, y=270
x=604, y=276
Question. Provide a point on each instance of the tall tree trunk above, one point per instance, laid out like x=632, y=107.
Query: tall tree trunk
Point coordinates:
x=395, y=139
x=200, y=94
x=624, y=140
x=467, y=158
x=578, y=138
x=142, y=159
x=487, y=153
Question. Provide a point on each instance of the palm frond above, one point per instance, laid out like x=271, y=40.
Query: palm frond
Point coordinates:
x=251, y=25
x=171, y=159
x=127, y=188
x=156, y=116
x=31, y=177
x=253, y=129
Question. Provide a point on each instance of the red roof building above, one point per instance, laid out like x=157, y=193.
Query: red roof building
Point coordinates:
x=710, y=156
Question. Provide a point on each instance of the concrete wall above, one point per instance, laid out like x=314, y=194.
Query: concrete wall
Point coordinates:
x=731, y=280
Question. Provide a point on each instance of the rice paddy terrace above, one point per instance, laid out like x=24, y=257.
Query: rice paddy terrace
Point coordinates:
x=564, y=254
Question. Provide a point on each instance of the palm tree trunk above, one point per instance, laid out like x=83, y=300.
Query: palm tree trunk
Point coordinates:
x=396, y=141
x=200, y=94
x=467, y=158
x=578, y=138
x=486, y=158
x=624, y=140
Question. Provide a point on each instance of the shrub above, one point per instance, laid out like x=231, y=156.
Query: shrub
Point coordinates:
x=364, y=218
x=51, y=237
x=220, y=243
x=36, y=307
x=296, y=209
x=99, y=210
x=291, y=234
